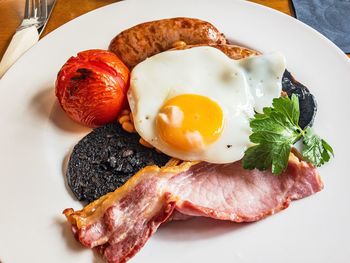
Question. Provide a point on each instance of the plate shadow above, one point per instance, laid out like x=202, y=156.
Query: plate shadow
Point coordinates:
x=197, y=228
x=71, y=243
x=46, y=106
x=66, y=232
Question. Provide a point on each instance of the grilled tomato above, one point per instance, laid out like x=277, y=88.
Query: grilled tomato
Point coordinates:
x=92, y=87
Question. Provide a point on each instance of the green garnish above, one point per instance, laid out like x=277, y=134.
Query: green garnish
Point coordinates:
x=275, y=131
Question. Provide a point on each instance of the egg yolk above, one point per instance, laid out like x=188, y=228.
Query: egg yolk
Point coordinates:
x=189, y=122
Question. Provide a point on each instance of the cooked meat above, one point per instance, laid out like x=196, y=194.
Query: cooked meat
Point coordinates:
x=120, y=223
x=105, y=159
x=307, y=101
x=97, y=168
x=147, y=39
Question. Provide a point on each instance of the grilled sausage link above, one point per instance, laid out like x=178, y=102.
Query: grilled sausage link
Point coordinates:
x=232, y=51
x=147, y=39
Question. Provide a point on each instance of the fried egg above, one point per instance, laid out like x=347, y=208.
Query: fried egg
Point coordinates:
x=195, y=104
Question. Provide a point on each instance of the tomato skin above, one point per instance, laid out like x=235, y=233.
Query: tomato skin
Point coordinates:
x=91, y=87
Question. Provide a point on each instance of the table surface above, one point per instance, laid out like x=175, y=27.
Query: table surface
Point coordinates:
x=12, y=13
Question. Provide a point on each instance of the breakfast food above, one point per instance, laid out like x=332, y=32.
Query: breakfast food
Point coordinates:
x=228, y=115
x=147, y=39
x=120, y=223
x=85, y=189
x=105, y=159
x=203, y=99
x=91, y=87
x=307, y=102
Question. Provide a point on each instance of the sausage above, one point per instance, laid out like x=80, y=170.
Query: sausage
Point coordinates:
x=236, y=52
x=232, y=51
x=147, y=39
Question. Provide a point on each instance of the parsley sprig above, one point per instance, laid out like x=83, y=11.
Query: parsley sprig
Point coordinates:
x=275, y=131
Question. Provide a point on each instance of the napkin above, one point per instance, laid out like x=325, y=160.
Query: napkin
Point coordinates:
x=330, y=17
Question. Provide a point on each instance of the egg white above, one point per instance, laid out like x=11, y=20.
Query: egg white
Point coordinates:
x=240, y=87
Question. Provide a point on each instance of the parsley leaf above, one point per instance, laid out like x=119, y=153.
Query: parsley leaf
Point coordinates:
x=274, y=133
x=264, y=156
x=316, y=150
x=258, y=156
x=289, y=107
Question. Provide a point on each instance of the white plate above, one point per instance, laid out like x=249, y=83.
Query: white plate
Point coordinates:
x=36, y=137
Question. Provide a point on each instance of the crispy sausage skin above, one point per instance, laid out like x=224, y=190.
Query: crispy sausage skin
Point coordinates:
x=147, y=39
x=232, y=51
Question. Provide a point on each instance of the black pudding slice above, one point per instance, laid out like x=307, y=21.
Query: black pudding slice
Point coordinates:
x=307, y=102
x=105, y=159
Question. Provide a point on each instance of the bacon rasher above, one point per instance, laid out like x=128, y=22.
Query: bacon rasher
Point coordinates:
x=118, y=224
